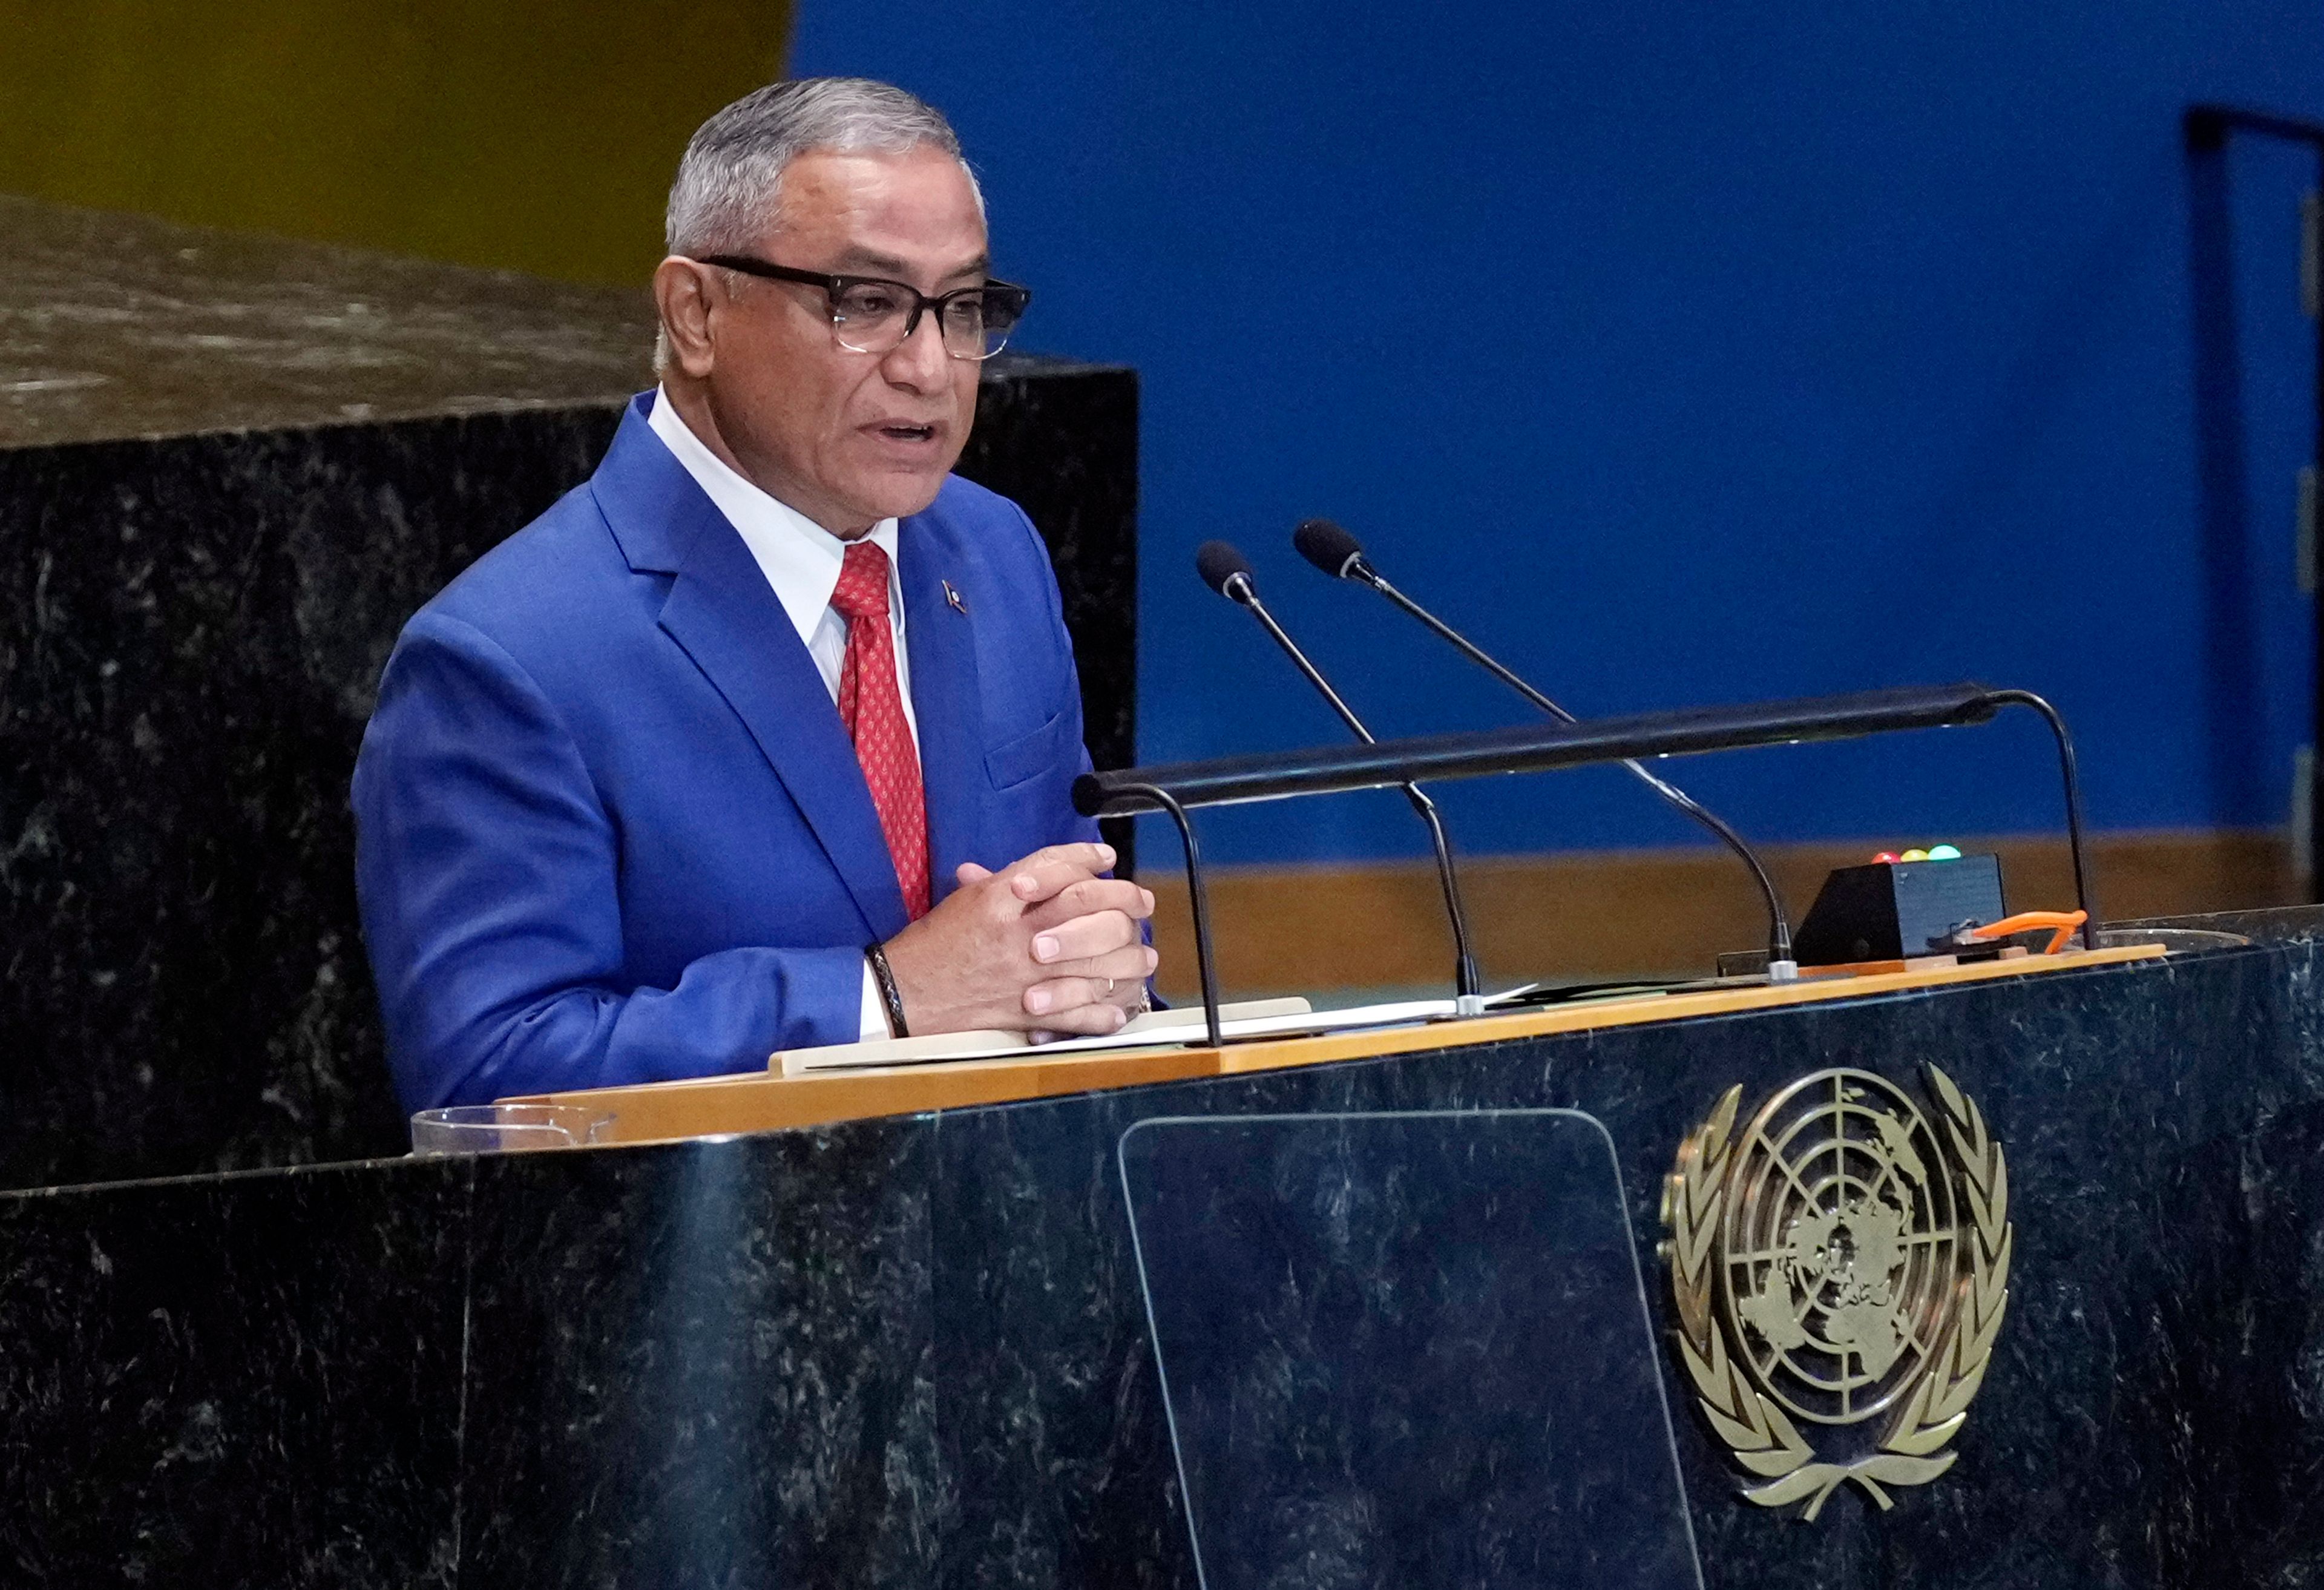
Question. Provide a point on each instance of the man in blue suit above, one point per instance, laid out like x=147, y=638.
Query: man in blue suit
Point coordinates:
x=763, y=737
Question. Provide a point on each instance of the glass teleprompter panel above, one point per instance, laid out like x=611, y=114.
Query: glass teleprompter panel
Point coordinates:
x=1406, y=1350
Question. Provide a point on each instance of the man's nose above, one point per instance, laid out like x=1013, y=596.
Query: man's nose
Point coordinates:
x=919, y=362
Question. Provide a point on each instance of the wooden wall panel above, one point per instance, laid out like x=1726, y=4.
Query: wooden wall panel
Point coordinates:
x=1297, y=930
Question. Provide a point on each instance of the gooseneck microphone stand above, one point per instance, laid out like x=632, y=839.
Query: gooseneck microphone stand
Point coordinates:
x=1226, y=571
x=1340, y=555
x=1286, y=776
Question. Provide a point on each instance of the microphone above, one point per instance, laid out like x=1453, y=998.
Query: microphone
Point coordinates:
x=1228, y=572
x=1339, y=554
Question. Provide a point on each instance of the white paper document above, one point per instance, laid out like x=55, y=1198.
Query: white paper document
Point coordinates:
x=1259, y=1018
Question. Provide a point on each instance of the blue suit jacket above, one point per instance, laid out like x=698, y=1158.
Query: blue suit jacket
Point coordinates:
x=610, y=829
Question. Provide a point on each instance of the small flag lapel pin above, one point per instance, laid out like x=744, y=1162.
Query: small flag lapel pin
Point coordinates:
x=952, y=599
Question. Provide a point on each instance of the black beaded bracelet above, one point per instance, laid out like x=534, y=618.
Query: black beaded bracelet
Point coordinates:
x=876, y=958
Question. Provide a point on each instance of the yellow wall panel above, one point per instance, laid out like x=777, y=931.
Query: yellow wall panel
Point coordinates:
x=538, y=138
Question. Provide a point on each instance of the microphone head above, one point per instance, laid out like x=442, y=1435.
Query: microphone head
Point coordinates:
x=1218, y=562
x=1328, y=547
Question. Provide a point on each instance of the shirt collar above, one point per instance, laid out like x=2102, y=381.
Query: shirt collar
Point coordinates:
x=799, y=558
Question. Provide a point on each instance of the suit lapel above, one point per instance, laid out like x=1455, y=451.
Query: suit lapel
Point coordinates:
x=940, y=639
x=721, y=612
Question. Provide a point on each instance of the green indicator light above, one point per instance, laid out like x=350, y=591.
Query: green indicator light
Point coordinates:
x=1943, y=853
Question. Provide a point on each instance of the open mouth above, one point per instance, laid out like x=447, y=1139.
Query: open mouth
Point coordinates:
x=909, y=433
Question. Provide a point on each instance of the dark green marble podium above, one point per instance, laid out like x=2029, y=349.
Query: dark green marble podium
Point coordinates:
x=913, y=1351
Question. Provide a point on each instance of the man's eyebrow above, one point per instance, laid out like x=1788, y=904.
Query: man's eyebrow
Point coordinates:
x=863, y=261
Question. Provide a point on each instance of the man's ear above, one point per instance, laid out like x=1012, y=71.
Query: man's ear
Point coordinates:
x=684, y=294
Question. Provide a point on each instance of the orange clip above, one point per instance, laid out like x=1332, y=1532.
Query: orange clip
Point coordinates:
x=2061, y=924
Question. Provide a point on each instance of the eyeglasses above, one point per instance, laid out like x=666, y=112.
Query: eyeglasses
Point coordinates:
x=872, y=314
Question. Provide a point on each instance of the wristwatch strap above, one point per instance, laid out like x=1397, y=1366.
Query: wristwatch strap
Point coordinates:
x=876, y=958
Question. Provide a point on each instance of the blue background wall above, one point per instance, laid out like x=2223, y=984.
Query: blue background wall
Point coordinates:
x=1683, y=355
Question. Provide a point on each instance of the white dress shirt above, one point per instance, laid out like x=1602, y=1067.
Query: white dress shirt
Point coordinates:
x=801, y=561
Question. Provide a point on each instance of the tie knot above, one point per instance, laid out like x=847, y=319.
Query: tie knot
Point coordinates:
x=862, y=589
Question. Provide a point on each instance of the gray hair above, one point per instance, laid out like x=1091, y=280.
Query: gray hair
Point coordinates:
x=728, y=182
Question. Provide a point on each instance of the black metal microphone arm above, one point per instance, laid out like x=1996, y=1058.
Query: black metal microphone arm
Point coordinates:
x=2073, y=783
x=1198, y=904
x=1779, y=923
x=1536, y=747
x=1179, y=787
x=1467, y=982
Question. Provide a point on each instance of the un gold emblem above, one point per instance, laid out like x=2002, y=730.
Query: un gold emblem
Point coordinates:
x=1844, y=1260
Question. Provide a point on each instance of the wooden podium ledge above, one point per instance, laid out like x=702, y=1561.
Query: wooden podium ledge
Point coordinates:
x=768, y=1101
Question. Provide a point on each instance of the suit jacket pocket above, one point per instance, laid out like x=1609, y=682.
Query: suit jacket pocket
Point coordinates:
x=1028, y=756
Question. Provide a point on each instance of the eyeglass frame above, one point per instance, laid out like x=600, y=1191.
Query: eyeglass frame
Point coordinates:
x=834, y=285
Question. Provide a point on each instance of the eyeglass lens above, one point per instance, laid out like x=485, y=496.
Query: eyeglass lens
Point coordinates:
x=869, y=318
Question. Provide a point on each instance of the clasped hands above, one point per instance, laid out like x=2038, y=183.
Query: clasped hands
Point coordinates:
x=1045, y=944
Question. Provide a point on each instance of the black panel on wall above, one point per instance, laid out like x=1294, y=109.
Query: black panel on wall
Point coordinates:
x=1061, y=440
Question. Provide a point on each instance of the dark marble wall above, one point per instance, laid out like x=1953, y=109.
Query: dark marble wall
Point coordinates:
x=913, y=1352
x=229, y=469
x=191, y=632
x=1061, y=439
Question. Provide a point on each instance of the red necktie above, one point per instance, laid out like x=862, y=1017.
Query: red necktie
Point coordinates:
x=872, y=708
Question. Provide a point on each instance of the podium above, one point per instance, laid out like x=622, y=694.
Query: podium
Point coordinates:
x=908, y=1343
